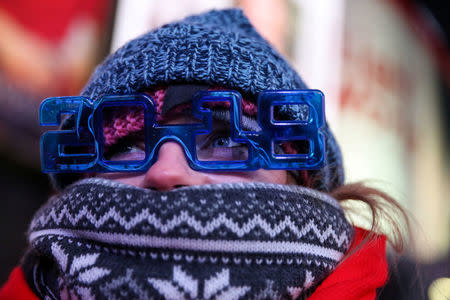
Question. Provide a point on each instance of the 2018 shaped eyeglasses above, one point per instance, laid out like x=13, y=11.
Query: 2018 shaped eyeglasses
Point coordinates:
x=284, y=116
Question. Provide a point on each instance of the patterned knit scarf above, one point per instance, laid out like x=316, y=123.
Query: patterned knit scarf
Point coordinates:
x=100, y=239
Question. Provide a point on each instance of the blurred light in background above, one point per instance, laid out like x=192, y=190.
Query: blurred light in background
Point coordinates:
x=47, y=48
x=389, y=125
x=136, y=17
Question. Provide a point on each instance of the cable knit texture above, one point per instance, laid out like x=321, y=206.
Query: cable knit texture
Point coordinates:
x=220, y=48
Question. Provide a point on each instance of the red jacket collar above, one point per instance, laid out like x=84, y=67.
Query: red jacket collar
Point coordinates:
x=358, y=276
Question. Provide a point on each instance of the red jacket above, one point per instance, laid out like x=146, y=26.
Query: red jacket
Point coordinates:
x=356, y=278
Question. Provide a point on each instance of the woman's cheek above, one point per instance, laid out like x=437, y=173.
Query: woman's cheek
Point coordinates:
x=266, y=176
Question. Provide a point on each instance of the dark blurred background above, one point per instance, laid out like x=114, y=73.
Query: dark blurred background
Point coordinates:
x=383, y=64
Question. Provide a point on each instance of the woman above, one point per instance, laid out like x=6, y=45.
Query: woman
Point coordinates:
x=177, y=231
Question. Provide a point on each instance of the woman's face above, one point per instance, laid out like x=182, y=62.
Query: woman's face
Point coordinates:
x=171, y=170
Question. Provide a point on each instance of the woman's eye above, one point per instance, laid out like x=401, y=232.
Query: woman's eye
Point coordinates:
x=130, y=149
x=220, y=147
x=224, y=142
x=125, y=151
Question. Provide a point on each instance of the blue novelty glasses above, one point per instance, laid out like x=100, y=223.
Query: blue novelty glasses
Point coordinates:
x=216, y=137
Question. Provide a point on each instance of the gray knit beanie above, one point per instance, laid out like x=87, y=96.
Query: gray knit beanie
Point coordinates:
x=217, y=48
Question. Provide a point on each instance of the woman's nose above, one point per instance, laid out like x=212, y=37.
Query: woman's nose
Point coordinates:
x=171, y=170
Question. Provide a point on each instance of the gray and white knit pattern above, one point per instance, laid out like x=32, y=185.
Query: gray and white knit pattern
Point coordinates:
x=107, y=240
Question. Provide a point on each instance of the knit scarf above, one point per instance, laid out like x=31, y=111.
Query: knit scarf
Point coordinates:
x=100, y=239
